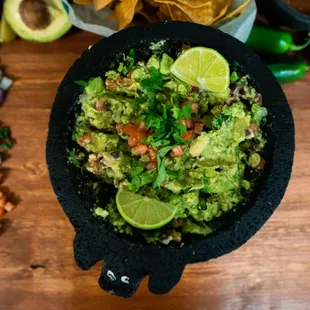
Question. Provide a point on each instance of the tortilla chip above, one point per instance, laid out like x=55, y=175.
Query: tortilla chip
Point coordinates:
x=223, y=11
x=151, y=3
x=177, y=14
x=193, y=3
x=101, y=4
x=204, y=14
x=124, y=12
x=149, y=14
x=83, y=2
x=235, y=12
x=139, y=6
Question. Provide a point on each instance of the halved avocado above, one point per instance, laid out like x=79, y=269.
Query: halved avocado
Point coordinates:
x=37, y=20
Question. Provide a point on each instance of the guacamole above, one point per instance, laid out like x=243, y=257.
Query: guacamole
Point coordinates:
x=143, y=130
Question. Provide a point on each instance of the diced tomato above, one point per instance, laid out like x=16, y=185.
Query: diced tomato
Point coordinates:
x=195, y=107
x=262, y=163
x=140, y=149
x=183, y=121
x=130, y=129
x=188, y=135
x=110, y=84
x=177, y=151
x=198, y=128
x=142, y=125
x=99, y=105
x=134, y=130
x=123, y=82
x=151, y=165
x=132, y=141
x=130, y=73
x=152, y=153
x=85, y=139
x=187, y=122
x=254, y=127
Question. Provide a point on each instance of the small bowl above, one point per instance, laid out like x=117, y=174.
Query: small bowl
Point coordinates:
x=281, y=14
x=127, y=260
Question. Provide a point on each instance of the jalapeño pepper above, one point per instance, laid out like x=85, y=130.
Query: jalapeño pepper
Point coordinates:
x=273, y=41
x=287, y=68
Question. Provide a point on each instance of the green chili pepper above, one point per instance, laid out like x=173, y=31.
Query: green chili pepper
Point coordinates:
x=273, y=41
x=287, y=68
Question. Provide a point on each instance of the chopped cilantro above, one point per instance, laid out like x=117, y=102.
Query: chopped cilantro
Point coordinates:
x=128, y=64
x=185, y=112
x=4, y=133
x=161, y=165
x=73, y=159
x=218, y=120
x=161, y=173
x=153, y=83
x=6, y=146
x=139, y=177
x=5, y=141
x=81, y=83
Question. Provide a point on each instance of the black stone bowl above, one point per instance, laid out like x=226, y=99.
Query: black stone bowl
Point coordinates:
x=127, y=260
x=281, y=14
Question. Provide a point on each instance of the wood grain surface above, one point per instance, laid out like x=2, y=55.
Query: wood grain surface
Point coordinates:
x=37, y=269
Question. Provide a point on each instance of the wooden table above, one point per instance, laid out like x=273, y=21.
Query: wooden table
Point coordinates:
x=37, y=269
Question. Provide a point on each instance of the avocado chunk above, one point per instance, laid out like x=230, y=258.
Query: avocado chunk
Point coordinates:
x=37, y=20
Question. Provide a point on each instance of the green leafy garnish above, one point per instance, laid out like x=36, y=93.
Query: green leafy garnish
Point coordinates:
x=128, y=64
x=161, y=165
x=139, y=177
x=4, y=133
x=73, y=159
x=5, y=141
x=218, y=120
x=81, y=83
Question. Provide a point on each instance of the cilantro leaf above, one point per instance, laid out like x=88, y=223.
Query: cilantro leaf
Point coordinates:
x=4, y=133
x=161, y=165
x=218, y=120
x=174, y=174
x=139, y=177
x=124, y=68
x=186, y=111
x=120, y=67
x=73, y=159
x=163, y=151
x=6, y=146
x=161, y=173
x=154, y=82
x=132, y=53
x=81, y=83
x=175, y=111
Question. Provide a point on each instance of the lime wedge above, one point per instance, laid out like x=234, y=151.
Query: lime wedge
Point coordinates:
x=143, y=212
x=6, y=32
x=203, y=67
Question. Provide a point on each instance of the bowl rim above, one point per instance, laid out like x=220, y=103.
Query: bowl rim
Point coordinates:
x=294, y=13
x=251, y=221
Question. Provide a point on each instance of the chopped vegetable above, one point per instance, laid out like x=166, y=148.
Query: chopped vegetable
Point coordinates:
x=273, y=41
x=158, y=139
x=288, y=68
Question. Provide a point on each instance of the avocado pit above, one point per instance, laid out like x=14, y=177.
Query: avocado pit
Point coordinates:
x=35, y=14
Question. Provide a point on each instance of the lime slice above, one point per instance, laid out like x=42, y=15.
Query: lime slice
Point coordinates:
x=143, y=212
x=6, y=32
x=203, y=67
